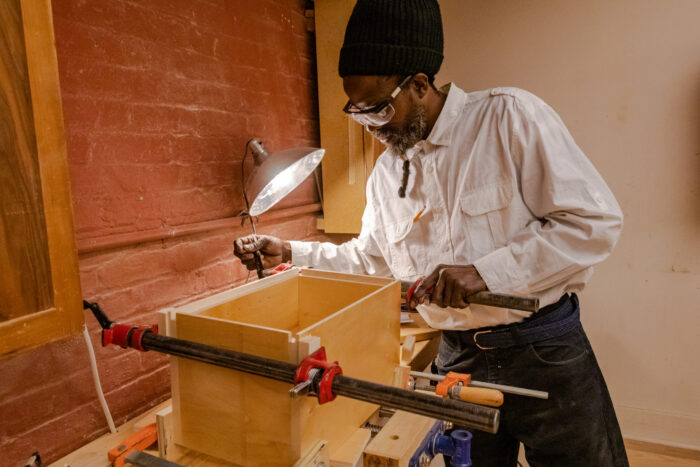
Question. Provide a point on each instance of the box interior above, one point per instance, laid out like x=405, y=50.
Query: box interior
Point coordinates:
x=294, y=304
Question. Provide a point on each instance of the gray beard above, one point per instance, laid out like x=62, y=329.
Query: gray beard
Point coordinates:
x=398, y=141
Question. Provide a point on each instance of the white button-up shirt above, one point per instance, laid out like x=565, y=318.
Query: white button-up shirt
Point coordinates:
x=499, y=183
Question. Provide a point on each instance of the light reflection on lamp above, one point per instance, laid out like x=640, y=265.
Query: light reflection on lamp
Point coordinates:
x=276, y=175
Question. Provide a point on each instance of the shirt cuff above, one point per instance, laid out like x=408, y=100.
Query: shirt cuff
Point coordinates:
x=301, y=253
x=500, y=271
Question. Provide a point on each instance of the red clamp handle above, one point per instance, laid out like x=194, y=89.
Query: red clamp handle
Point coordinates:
x=330, y=370
x=126, y=335
x=279, y=268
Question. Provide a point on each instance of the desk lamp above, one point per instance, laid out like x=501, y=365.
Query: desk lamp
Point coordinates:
x=275, y=176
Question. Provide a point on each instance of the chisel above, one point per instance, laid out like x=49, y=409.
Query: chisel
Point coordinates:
x=481, y=298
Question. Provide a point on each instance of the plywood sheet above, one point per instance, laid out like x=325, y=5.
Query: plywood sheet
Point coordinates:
x=238, y=417
x=364, y=338
x=320, y=297
x=276, y=307
x=343, y=165
x=346, y=277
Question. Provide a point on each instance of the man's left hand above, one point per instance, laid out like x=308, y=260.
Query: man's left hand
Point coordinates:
x=452, y=286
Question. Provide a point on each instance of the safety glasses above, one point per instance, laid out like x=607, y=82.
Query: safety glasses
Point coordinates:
x=379, y=114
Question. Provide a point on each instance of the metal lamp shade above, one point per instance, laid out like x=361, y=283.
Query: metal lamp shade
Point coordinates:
x=279, y=174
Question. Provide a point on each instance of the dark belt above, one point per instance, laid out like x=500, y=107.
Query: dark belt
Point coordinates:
x=552, y=321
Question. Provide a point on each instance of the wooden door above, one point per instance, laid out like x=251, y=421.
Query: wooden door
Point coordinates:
x=39, y=283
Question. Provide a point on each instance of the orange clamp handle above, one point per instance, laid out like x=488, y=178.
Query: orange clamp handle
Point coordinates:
x=138, y=441
x=451, y=379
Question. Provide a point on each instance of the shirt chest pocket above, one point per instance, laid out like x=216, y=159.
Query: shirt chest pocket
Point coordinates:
x=484, y=210
x=404, y=240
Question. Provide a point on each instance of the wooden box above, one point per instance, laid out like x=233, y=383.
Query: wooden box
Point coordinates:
x=250, y=420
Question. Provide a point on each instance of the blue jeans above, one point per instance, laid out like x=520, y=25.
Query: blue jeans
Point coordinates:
x=576, y=426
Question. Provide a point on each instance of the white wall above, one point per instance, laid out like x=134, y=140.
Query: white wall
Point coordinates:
x=625, y=77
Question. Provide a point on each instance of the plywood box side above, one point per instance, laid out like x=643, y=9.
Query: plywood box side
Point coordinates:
x=320, y=297
x=242, y=337
x=226, y=413
x=251, y=420
x=364, y=339
x=275, y=307
x=342, y=276
x=386, y=298
x=212, y=301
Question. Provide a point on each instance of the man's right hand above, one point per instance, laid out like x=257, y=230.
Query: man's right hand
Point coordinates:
x=273, y=250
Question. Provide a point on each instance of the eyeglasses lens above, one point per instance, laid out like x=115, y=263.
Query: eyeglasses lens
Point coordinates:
x=377, y=119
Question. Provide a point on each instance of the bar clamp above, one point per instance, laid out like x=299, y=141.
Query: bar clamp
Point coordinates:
x=315, y=377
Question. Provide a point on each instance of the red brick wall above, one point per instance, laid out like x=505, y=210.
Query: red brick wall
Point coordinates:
x=159, y=98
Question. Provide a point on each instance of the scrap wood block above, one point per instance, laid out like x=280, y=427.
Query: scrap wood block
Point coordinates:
x=419, y=329
x=401, y=376
x=407, y=347
x=164, y=425
x=423, y=354
x=251, y=420
x=398, y=440
x=349, y=454
x=316, y=457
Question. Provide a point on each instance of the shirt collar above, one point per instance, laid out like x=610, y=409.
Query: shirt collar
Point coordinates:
x=441, y=133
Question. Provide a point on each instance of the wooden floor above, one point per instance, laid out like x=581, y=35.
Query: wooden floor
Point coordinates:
x=641, y=454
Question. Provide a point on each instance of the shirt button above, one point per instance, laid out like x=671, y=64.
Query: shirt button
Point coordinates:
x=446, y=248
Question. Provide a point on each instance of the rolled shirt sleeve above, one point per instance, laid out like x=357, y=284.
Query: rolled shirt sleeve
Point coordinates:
x=361, y=255
x=578, y=218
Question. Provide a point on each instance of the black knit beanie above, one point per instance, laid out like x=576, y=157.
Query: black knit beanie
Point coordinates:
x=392, y=37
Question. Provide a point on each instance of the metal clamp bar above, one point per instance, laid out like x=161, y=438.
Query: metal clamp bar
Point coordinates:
x=458, y=412
x=481, y=384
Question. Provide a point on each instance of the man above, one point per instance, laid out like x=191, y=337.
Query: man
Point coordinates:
x=479, y=191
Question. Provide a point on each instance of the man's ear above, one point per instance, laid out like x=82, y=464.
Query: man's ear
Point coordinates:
x=420, y=85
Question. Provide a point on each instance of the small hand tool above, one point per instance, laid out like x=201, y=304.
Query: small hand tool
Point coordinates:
x=138, y=441
x=512, y=302
x=34, y=461
x=256, y=254
x=481, y=384
x=456, y=386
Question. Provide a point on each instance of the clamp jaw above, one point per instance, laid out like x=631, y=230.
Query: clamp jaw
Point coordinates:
x=452, y=380
x=456, y=444
x=315, y=377
x=126, y=335
x=123, y=335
